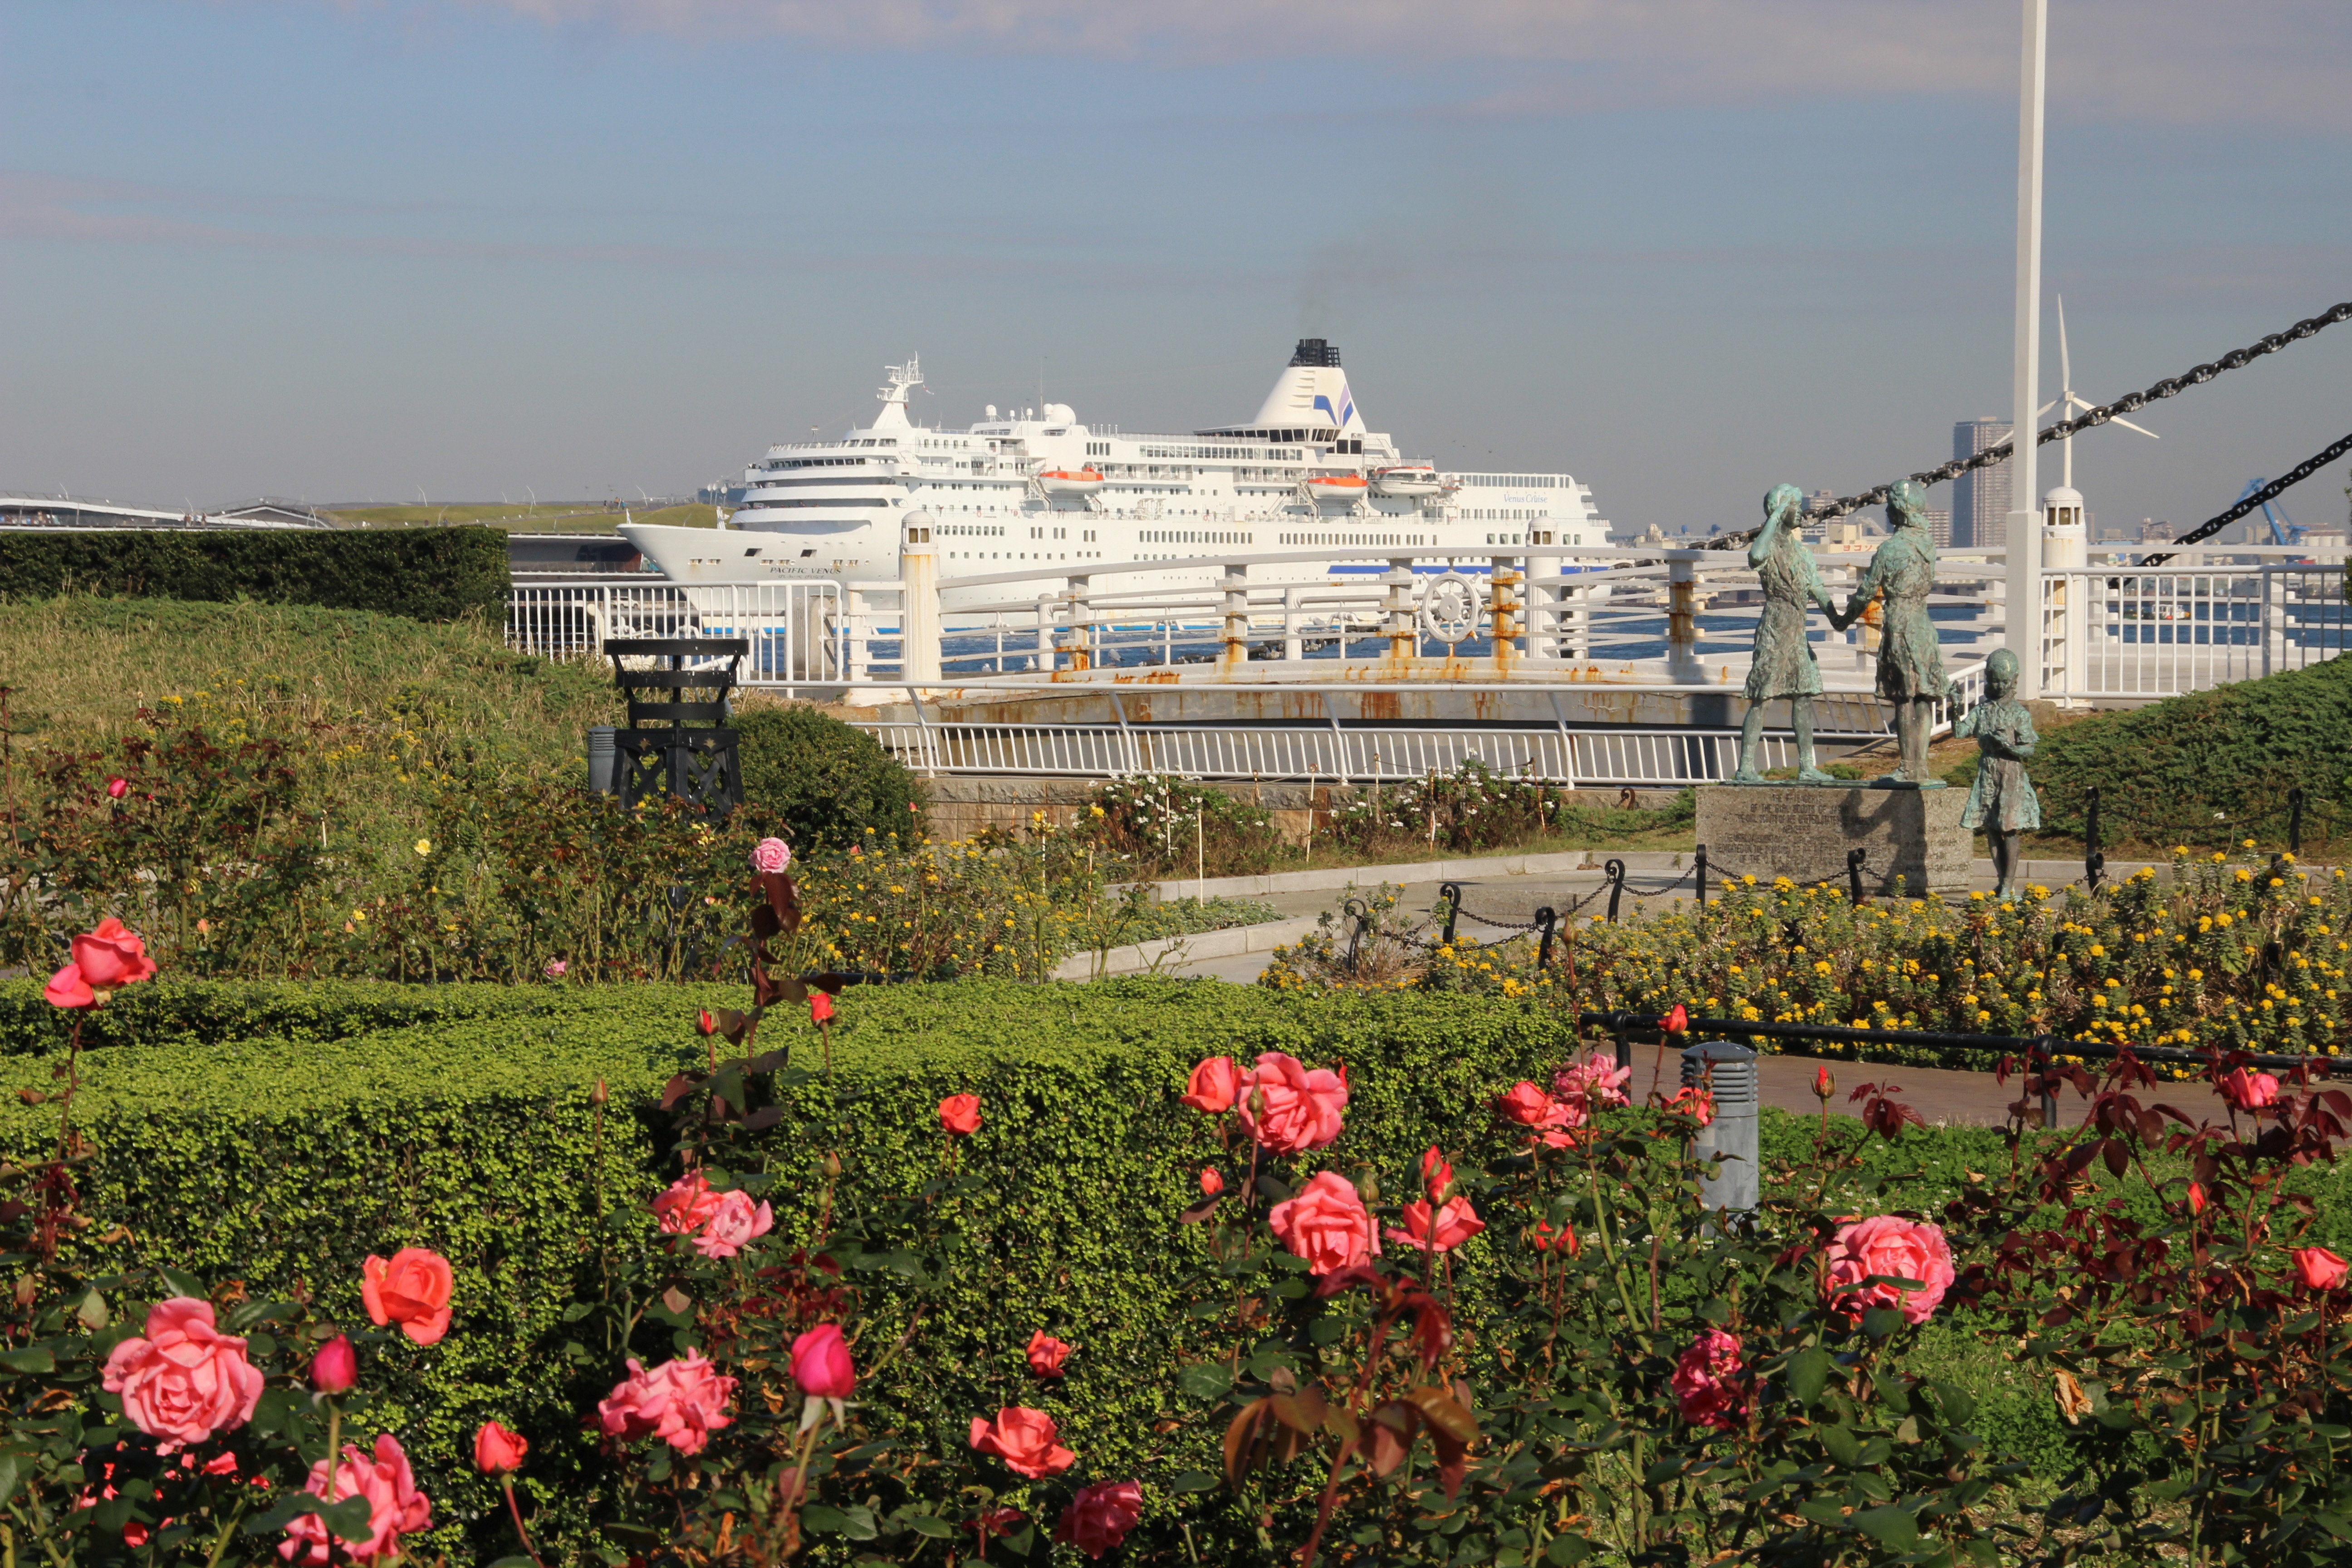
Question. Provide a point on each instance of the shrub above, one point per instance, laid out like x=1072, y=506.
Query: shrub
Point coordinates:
x=424, y=573
x=827, y=783
x=1166, y=825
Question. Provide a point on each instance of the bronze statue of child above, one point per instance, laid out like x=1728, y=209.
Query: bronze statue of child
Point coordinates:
x=2001, y=800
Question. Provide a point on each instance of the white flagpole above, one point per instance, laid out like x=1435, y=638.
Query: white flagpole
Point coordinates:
x=2023, y=535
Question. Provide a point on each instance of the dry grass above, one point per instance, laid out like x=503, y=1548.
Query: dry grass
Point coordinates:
x=555, y=517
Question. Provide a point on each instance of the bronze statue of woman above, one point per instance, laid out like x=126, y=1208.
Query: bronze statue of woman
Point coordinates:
x=1910, y=661
x=1784, y=665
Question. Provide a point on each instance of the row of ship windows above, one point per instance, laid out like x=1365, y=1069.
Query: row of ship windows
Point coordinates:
x=1354, y=538
x=1192, y=536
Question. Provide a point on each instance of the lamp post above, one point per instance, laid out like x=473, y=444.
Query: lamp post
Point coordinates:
x=2024, y=533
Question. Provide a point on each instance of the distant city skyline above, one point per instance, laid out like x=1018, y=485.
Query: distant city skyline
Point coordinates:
x=590, y=247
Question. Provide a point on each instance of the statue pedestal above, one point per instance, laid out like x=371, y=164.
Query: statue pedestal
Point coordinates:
x=1803, y=831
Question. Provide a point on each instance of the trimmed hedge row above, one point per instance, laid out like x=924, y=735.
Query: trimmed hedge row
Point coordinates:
x=284, y=1163
x=424, y=574
x=212, y=1012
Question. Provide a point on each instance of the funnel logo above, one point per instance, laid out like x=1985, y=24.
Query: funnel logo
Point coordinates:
x=1342, y=414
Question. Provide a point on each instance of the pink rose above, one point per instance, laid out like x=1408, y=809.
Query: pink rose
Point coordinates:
x=1708, y=1383
x=2250, y=1090
x=770, y=856
x=733, y=1223
x=681, y=1401
x=2319, y=1269
x=412, y=1290
x=820, y=1363
x=395, y=1507
x=960, y=1114
x=184, y=1382
x=112, y=956
x=1325, y=1224
x=116, y=788
x=1215, y=1083
x=1099, y=1516
x=1597, y=1080
x=1212, y=1182
x=498, y=1452
x=1457, y=1222
x=686, y=1206
x=1288, y=1109
x=1899, y=1249
x=67, y=989
x=1024, y=1440
x=1046, y=1354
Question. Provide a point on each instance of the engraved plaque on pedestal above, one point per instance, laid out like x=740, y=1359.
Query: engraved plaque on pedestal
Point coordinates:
x=1804, y=831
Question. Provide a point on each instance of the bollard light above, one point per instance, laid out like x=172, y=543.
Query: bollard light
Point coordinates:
x=1729, y=1072
x=600, y=753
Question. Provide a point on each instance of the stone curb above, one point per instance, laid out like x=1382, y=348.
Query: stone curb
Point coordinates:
x=1186, y=949
x=1420, y=871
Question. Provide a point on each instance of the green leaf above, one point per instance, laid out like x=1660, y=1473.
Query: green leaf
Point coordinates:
x=921, y=1524
x=1194, y=1481
x=1842, y=1446
x=181, y=1284
x=1205, y=1379
x=32, y=1358
x=9, y=1469
x=1880, y=1321
x=91, y=1310
x=1821, y=1510
x=831, y=1520
x=1891, y=1527
x=1568, y=1549
x=1809, y=1373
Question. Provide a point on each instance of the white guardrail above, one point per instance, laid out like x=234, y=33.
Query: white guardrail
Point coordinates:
x=1659, y=621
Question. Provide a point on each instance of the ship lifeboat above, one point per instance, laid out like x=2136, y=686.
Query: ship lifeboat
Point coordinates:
x=1069, y=482
x=1408, y=479
x=1338, y=488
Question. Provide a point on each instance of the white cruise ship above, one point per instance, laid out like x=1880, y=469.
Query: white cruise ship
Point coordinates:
x=1031, y=489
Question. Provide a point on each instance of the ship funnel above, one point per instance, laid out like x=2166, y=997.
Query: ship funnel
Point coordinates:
x=1311, y=393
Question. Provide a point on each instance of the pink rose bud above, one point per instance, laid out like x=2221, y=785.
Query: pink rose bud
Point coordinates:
x=117, y=788
x=820, y=1007
x=820, y=1363
x=335, y=1368
x=1046, y=1354
x=1677, y=1020
x=1212, y=1183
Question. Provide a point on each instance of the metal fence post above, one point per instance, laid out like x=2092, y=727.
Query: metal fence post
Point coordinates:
x=1452, y=893
x=1699, y=881
x=1854, y=860
x=2094, y=859
x=1615, y=871
x=1548, y=921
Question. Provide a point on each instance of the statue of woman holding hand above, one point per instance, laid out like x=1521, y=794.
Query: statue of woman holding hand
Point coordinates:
x=1910, y=659
x=1784, y=665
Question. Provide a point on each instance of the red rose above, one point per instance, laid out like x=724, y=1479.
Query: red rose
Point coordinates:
x=2245, y=1089
x=1436, y=1176
x=1024, y=1440
x=1214, y=1085
x=68, y=989
x=335, y=1368
x=1212, y=1183
x=413, y=1291
x=497, y=1451
x=1327, y=1224
x=1708, y=1382
x=2319, y=1269
x=704, y=1024
x=1099, y=1516
x=1046, y=1354
x=116, y=788
x=960, y=1114
x=112, y=956
x=1531, y=1106
x=1457, y=1223
x=820, y=1007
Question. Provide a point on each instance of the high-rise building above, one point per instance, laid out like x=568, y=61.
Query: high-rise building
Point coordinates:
x=1980, y=498
x=1939, y=523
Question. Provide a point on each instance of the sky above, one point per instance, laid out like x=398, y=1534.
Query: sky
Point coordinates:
x=469, y=250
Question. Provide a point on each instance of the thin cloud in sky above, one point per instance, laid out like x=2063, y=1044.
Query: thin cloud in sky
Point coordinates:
x=2278, y=61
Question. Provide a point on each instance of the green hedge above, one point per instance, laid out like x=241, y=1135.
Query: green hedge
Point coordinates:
x=284, y=1163
x=210, y=1012
x=424, y=574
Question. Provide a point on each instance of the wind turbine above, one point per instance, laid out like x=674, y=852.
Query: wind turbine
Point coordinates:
x=2071, y=405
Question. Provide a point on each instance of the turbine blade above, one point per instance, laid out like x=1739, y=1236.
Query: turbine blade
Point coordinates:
x=2065, y=374
x=2045, y=408
x=2129, y=426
